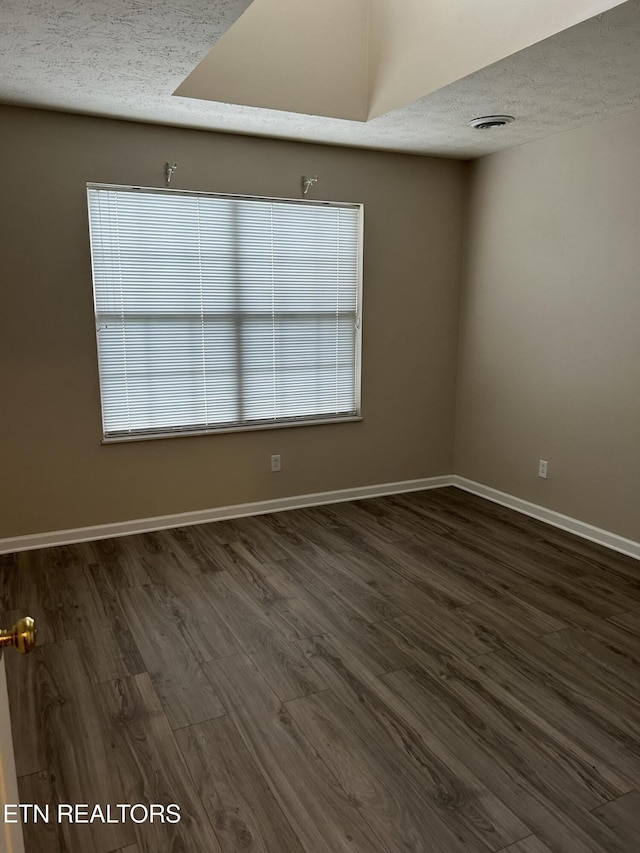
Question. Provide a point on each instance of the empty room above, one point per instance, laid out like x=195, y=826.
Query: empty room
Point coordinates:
x=320, y=372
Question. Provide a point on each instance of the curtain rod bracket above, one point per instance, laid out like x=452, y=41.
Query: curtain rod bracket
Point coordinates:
x=169, y=169
x=307, y=183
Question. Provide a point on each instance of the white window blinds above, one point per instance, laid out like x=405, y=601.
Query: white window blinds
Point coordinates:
x=222, y=312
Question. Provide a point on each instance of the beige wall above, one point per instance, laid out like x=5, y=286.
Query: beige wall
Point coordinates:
x=550, y=329
x=55, y=472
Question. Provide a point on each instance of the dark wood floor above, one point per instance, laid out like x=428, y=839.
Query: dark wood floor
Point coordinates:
x=427, y=672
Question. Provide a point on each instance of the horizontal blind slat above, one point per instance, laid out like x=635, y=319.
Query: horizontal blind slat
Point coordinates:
x=214, y=310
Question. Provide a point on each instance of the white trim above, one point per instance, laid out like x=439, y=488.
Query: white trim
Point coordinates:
x=180, y=433
x=11, y=838
x=556, y=519
x=147, y=525
x=183, y=519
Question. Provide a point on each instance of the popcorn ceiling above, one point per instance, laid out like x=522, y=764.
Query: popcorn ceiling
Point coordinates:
x=124, y=58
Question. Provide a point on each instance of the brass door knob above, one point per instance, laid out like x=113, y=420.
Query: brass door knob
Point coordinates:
x=22, y=636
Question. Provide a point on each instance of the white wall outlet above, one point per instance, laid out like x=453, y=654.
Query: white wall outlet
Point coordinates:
x=542, y=468
x=275, y=463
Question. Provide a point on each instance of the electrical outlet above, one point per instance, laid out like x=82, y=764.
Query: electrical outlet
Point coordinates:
x=542, y=469
x=275, y=463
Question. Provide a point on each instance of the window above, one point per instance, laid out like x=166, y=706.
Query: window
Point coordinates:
x=222, y=312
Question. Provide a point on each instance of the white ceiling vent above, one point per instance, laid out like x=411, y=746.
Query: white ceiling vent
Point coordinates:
x=489, y=122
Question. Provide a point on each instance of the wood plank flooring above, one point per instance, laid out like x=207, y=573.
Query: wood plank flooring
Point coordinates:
x=421, y=673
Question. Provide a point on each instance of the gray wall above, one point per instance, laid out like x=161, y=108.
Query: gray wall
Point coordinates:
x=550, y=325
x=548, y=364
x=55, y=472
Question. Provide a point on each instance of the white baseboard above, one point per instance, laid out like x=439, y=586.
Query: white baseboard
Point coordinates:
x=557, y=519
x=162, y=522
x=183, y=519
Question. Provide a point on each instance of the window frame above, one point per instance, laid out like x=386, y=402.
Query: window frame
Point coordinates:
x=282, y=423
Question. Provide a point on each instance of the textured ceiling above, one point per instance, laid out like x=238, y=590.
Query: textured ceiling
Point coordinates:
x=123, y=58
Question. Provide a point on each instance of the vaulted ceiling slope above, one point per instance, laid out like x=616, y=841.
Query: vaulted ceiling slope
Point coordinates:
x=125, y=58
x=359, y=59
